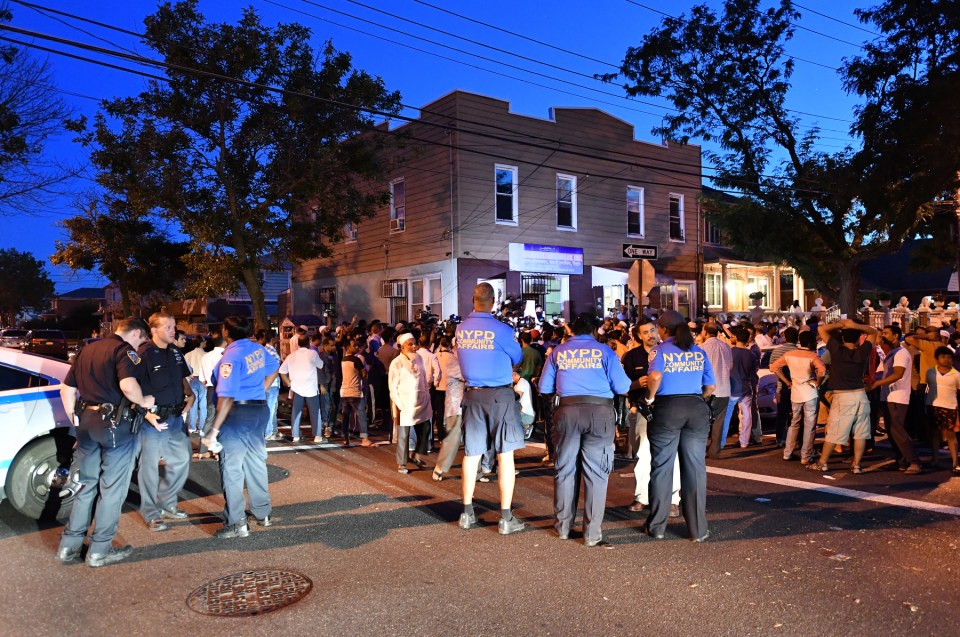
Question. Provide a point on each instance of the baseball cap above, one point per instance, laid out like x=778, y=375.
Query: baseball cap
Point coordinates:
x=671, y=319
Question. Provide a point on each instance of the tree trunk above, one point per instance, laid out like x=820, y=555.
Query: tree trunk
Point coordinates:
x=849, y=288
x=251, y=278
x=125, y=297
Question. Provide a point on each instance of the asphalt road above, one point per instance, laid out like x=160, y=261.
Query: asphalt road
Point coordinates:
x=386, y=557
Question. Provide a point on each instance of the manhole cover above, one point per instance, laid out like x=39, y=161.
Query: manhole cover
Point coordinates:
x=249, y=593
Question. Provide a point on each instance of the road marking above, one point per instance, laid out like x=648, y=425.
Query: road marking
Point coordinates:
x=847, y=493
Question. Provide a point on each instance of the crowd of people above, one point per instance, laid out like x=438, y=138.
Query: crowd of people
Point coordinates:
x=674, y=392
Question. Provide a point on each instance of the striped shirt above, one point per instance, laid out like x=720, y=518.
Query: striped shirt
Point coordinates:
x=721, y=359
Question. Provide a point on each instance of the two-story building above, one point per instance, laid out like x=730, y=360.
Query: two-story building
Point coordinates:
x=540, y=208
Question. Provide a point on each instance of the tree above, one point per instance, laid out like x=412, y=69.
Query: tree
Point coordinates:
x=24, y=283
x=267, y=157
x=125, y=246
x=30, y=112
x=728, y=76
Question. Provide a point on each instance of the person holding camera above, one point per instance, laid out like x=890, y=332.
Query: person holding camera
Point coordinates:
x=585, y=375
x=103, y=374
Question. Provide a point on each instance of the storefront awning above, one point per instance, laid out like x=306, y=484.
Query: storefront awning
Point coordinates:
x=612, y=275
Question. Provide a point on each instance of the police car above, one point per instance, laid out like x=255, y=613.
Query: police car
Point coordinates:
x=33, y=426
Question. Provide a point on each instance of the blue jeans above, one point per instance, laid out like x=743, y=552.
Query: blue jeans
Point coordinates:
x=273, y=397
x=244, y=459
x=746, y=417
x=313, y=409
x=325, y=405
x=198, y=411
x=354, y=410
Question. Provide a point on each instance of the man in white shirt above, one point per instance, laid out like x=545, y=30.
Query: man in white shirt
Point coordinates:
x=943, y=384
x=410, y=392
x=522, y=387
x=198, y=411
x=207, y=363
x=299, y=372
x=895, y=396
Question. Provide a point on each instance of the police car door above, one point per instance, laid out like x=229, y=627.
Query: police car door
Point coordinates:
x=18, y=398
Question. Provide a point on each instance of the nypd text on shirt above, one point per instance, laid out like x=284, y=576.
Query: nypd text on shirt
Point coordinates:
x=255, y=360
x=583, y=358
x=475, y=339
x=683, y=362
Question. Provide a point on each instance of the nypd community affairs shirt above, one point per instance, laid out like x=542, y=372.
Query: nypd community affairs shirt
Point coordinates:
x=242, y=369
x=583, y=367
x=487, y=351
x=684, y=371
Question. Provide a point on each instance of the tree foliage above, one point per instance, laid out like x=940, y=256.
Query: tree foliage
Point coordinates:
x=728, y=76
x=30, y=112
x=263, y=158
x=24, y=284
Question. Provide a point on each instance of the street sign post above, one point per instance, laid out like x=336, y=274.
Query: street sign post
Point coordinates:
x=639, y=251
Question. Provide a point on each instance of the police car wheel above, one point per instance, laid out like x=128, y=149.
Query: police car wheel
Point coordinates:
x=32, y=482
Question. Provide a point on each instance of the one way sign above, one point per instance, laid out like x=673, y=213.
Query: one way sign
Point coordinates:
x=637, y=251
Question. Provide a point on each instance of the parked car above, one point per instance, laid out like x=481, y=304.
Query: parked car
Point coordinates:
x=46, y=342
x=72, y=354
x=12, y=337
x=766, y=388
x=36, y=439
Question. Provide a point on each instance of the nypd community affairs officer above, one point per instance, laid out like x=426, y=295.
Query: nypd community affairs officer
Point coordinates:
x=585, y=375
x=241, y=379
x=106, y=376
x=680, y=382
x=166, y=376
x=491, y=413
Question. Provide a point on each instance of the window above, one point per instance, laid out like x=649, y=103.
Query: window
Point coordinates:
x=350, y=232
x=566, y=202
x=712, y=289
x=635, y=211
x=759, y=284
x=711, y=233
x=13, y=379
x=425, y=292
x=676, y=217
x=506, y=194
x=326, y=299
x=398, y=205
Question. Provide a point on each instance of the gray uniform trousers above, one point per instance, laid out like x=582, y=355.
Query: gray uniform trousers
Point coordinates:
x=243, y=460
x=105, y=459
x=159, y=486
x=718, y=409
x=584, y=434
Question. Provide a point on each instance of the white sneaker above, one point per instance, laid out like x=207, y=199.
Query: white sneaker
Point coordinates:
x=295, y=439
x=317, y=440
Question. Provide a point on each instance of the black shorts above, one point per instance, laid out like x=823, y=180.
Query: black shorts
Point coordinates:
x=491, y=420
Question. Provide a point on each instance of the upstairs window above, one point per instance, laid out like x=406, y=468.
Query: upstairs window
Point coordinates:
x=711, y=233
x=635, y=211
x=676, y=217
x=566, y=202
x=507, y=205
x=398, y=205
x=350, y=232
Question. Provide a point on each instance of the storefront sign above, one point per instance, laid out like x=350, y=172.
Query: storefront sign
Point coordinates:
x=530, y=257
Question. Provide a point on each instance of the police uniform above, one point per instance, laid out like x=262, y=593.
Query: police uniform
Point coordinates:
x=681, y=420
x=491, y=415
x=163, y=372
x=585, y=375
x=105, y=453
x=239, y=375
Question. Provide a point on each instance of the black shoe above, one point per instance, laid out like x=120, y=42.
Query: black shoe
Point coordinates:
x=646, y=531
x=173, y=514
x=240, y=529
x=507, y=527
x=468, y=521
x=266, y=521
x=114, y=555
x=67, y=555
x=599, y=542
x=157, y=525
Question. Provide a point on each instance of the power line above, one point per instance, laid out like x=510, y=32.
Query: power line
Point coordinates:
x=830, y=17
x=180, y=68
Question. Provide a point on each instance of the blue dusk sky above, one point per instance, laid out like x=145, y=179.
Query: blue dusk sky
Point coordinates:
x=425, y=50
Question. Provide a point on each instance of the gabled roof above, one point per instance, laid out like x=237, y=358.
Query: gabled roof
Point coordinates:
x=83, y=293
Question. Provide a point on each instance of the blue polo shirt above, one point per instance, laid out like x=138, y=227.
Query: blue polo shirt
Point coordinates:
x=487, y=351
x=684, y=372
x=242, y=369
x=583, y=367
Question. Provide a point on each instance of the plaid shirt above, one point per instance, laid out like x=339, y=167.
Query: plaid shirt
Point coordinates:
x=721, y=359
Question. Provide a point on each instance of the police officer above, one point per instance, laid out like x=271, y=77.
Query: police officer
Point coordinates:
x=241, y=377
x=491, y=414
x=585, y=375
x=166, y=376
x=103, y=374
x=680, y=382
